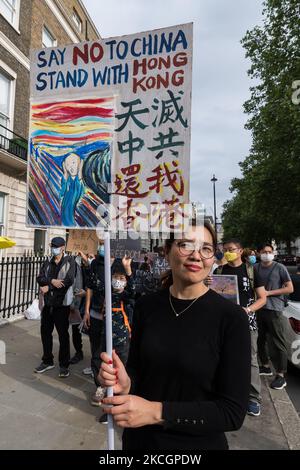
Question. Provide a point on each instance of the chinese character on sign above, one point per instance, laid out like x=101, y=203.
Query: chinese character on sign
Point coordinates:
x=164, y=177
x=127, y=183
x=170, y=110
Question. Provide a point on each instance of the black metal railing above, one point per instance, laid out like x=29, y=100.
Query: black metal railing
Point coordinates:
x=13, y=143
x=18, y=286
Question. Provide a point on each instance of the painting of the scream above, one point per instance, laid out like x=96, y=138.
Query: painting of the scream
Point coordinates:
x=70, y=161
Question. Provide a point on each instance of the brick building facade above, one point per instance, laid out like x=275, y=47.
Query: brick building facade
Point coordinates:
x=26, y=25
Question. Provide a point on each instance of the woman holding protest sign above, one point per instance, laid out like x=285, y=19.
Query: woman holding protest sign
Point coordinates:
x=187, y=378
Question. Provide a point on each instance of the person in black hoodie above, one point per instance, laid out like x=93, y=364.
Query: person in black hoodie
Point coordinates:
x=56, y=280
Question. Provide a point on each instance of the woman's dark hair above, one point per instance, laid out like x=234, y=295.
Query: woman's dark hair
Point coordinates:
x=167, y=278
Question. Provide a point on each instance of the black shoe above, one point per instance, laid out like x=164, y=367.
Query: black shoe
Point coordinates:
x=76, y=358
x=43, y=367
x=63, y=372
x=103, y=419
x=265, y=370
x=278, y=383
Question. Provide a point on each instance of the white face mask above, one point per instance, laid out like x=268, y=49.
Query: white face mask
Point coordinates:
x=117, y=284
x=55, y=251
x=267, y=257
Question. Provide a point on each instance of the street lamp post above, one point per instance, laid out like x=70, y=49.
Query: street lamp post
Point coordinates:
x=214, y=179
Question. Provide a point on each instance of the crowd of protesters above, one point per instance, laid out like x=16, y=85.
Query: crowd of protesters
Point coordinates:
x=153, y=347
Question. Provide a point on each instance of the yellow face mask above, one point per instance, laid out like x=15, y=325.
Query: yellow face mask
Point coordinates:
x=230, y=256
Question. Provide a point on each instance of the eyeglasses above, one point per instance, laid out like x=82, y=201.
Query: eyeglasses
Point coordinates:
x=206, y=251
x=231, y=250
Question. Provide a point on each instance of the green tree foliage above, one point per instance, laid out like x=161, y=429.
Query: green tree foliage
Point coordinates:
x=266, y=199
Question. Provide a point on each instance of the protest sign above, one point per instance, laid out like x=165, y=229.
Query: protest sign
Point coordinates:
x=227, y=286
x=110, y=123
x=82, y=240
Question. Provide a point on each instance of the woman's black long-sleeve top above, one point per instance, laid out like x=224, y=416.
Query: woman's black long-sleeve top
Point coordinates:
x=197, y=364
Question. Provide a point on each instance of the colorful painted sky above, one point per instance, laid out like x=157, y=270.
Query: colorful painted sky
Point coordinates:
x=58, y=129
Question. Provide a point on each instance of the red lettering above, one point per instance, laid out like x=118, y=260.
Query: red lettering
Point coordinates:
x=180, y=59
x=137, y=65
x=96, y=52
x=178, y=81
x=150, y=82
x=152, y=64
x=138, y=83
x=84, y=55
x=162, y=81
x=164, y=62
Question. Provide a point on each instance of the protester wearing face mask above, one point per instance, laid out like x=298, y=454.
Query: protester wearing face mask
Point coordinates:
x=252, y=297
x=271, y=338
x=122, y=310
x=55, y=280
x=249, y=256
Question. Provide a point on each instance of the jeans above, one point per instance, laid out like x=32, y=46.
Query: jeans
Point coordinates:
x=271, y=340
x=58, y=317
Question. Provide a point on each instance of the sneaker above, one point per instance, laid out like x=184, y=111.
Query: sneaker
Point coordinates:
x=265, y=370
x=88, y=371
x=63, y=372
x=98, y=396
x=253, y=408
x=103, y=419
x=278, y=383
x=43, y=367
x=76, y=358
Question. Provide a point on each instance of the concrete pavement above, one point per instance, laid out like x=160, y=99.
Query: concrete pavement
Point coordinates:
x=42, y=411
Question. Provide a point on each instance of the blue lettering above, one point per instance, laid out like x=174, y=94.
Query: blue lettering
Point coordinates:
x=111, y=44
x=147, y=45
x=43, y=61
x=124, y=44
x=133, y=51
x=53, y=58
x=117, y=71
x=166, y=45
x=62, y=55
x=180, y=39
x=60, y=80
x=42, y=81
x=82, y=77
x=101, y=76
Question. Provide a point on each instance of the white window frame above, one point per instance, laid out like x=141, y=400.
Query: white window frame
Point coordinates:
x=48, y=32
x=12, y=76
x=16, y=16
x=77, y=20
x=2, y=224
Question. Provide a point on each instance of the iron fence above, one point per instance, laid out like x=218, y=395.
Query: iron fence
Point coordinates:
x=18, y=286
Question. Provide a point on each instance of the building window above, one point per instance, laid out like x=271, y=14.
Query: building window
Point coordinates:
x=47, y=39
x=6, y=89
x=10, y=10
x=2, y=207
x=77, y=20
x=39, y=242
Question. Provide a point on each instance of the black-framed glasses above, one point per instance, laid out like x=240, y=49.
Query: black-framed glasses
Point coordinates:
x=187, y=248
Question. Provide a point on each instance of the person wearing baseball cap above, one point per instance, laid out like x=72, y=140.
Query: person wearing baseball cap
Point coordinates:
x=56, y=280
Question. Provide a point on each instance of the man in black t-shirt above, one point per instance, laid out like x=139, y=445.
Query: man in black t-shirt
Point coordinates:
x=252, y=297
